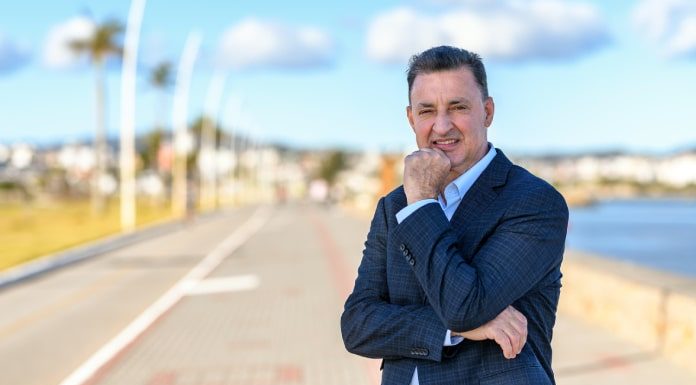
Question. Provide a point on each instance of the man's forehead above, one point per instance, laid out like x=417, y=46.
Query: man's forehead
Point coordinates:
x=464, y=72
x=457, y=84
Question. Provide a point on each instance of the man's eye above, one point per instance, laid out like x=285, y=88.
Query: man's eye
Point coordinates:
x=459, y=107
x=424, y=112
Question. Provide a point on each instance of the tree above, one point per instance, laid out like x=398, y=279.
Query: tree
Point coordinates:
x=332, y=164
x=197, y=130
x=160, y=79
x=151, y=145
x=101, y=45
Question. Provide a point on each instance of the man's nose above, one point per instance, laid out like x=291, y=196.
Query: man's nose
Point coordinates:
x=443, y=124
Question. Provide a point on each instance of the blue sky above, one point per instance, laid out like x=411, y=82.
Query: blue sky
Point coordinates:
x=566, y=76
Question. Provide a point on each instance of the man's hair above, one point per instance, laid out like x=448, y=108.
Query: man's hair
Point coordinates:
x=444, y=58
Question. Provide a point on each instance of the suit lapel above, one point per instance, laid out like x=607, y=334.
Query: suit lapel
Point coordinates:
x=474, y=203
x=400, y=200
x=481, y=193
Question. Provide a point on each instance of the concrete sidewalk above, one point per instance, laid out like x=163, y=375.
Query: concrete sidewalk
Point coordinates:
x=268, y=314
x=587, y=355
x=283, y=331
x=286, y=329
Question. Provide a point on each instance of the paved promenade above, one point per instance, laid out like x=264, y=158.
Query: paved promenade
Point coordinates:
x=252, y=296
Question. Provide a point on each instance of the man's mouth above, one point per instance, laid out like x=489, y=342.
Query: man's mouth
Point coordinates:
x=445, y=144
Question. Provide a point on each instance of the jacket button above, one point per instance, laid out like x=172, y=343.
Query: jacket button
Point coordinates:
x=412, y=262
x=402, y=247
x=419, y=352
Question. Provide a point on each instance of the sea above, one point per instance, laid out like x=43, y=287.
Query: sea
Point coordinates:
x=657, y=233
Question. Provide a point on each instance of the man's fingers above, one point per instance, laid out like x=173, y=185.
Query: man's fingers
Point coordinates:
x=509, y=327
x=518, y=315
x=521, y=326
x=437, y=150
x=502, y=339
x=520, y=333
x=517, y=321
x=514, y=325
x=433, y=151
x=516, y=339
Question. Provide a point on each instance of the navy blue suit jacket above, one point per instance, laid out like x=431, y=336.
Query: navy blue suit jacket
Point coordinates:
x=503, y=246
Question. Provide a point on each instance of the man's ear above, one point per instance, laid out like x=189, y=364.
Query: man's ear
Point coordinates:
x=409, y=115
x=489, y=107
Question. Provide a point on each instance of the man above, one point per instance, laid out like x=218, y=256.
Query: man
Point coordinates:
x=460, y=276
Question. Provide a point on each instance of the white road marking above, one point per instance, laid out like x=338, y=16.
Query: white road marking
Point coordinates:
x=225, y=285
x=107, y=352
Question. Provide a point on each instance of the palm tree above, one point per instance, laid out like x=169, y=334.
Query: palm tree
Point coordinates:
x=160, y=79
x=101, y=45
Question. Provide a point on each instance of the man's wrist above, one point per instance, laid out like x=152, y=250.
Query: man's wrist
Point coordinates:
x=420, y=197
x=408, y=210
x=452, y=338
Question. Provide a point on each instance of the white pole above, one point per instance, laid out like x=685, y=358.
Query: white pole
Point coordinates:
x=128, y=78
x=180, y=121
x=208, y=136
x=233, y=113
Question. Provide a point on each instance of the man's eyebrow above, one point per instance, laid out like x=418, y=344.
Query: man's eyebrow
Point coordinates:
x=450, y=103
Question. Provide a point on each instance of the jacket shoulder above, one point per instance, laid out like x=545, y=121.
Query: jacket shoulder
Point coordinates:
x=526, y=186
x=395, y=200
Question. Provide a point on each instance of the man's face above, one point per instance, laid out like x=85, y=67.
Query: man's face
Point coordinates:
x=447, y=112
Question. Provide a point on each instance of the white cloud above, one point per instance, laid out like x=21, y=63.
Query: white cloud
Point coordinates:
x=57, y=52
x=506, y=30
x=668, y=24
x=255, y=43
x=12, y=55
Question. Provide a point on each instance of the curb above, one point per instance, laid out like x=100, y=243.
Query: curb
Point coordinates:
x=660, y=305
x=51, y=262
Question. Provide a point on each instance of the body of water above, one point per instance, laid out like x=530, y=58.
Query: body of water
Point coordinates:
x=659, y=233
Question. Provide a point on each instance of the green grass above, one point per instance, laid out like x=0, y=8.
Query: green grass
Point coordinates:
x=31, y=231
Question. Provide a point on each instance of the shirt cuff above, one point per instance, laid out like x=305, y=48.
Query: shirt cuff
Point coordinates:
x=451, y=341
x=410, y=209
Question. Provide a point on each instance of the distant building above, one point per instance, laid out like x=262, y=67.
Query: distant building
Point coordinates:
x=677, y=170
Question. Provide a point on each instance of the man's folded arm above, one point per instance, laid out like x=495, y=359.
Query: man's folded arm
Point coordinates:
x=524, y=248
x=373, y=327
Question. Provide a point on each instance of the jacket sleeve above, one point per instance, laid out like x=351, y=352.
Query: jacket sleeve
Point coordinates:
x=526, y=245
x=371, y=326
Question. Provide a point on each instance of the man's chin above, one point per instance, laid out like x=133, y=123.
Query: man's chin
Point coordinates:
x=458, y=167
x=454, y=159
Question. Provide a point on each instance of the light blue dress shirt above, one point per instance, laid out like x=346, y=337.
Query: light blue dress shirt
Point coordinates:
x=453, y=194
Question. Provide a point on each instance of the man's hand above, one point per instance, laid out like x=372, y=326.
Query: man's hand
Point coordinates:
x=425, y=172
x=508, y=329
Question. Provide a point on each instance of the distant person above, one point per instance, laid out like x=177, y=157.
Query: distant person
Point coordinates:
x=460, y=276
x=191, y=199
x=319, y=191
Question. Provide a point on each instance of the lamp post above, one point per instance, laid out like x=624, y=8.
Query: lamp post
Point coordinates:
x=208, y=153
x=127, y=137
x=180, y=123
